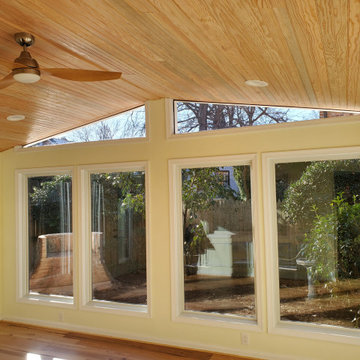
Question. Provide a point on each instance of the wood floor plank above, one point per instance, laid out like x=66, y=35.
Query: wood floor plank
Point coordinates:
x=19, y=340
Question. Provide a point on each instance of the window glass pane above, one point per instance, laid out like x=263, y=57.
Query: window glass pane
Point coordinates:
x=218, y=246
x=195, y=117
x=318, y=216
x=126, y=125
x=50, y=235
x=118, y=237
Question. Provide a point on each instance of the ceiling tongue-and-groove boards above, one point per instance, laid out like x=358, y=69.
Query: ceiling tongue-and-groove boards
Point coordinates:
x=308, y=52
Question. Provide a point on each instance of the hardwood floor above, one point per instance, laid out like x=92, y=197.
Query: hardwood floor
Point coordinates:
x=25, y=342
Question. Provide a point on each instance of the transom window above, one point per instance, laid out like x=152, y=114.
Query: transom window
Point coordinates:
x=197, y=117
x=127, y=125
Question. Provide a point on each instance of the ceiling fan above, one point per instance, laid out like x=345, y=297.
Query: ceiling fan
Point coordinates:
x=26, y=69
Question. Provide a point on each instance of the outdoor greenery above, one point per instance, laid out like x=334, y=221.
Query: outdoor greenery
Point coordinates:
x=127, y=187
x=122, y=194
x=45, y=196
x=317, y=187
x=333, y=244
x=348, y=217
x=322, y=206
x=118, y=213
x=325, y=200
x=201, y=189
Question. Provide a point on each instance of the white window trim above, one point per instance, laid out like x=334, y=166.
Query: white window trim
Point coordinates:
x=177, y=268
x=86, y=301
x=275, y=325
x=171, y=118
x=23, y=294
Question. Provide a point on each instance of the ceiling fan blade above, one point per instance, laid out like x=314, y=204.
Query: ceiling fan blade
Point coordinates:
x=6, y=81
x=83, y=75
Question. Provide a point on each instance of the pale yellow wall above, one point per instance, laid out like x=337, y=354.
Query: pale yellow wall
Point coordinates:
x=157, y=150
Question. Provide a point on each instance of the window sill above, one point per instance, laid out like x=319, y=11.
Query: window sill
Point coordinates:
x=117, y=308
x=317, y=331
x=49, y=300
x=218, y=320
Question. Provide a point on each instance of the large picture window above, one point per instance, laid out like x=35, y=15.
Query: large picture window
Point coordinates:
x=316, y=246
x=318, y=207
x=115, y=236
x=47, y=237
x=216, y=274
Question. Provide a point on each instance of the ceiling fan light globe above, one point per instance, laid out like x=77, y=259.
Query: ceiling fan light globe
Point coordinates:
x=26, y=76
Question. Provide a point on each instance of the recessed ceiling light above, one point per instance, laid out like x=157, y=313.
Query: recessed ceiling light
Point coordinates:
x=256, y=83
x=15, y=117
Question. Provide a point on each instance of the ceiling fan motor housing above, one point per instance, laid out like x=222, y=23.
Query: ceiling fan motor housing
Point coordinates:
x=26, y=69
x=24, y=39
x=26, y=60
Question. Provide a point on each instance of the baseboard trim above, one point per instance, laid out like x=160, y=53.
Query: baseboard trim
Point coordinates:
x=148, y=339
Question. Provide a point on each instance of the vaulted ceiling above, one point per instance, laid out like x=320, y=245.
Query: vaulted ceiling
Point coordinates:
x=308, y=52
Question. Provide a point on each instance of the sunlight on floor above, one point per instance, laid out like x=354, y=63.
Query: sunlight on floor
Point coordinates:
x=30, y=356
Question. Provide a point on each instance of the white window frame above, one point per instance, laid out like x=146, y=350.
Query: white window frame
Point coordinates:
x=287, y=327
x=179, y=314
x=86, y=301
x=22, y=239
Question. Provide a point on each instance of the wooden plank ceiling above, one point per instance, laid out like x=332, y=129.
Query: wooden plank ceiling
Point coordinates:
x=308, y=52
